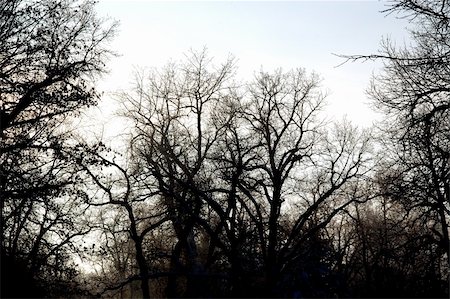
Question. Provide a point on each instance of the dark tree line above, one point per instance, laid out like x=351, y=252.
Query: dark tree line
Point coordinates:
x=227, y=189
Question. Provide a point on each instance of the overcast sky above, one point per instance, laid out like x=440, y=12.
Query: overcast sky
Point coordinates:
x=260, y=34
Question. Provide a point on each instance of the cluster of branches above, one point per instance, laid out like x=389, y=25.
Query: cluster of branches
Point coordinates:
x=240, y=179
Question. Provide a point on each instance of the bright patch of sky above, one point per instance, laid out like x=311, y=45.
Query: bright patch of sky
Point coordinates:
x=259, y=34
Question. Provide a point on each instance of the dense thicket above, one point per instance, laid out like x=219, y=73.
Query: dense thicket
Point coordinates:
x=227, y=189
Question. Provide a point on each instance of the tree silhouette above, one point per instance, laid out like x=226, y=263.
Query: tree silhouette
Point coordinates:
x=50, y=52
x=172, y=144
x=413, y=93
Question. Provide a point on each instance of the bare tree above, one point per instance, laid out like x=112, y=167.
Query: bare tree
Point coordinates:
x=296, y=165
x=50, y=53
x=413, y=93
x=172, y=143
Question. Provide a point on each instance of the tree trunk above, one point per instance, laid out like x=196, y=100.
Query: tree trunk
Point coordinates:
x=140, y=258
x=172, y=289
x=195, y=272
x=143, y=269
x=271, y=259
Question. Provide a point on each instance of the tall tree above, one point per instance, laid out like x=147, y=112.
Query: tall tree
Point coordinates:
x=298, y=166
x=413, y=92
x=173, y=139
x=49, y=55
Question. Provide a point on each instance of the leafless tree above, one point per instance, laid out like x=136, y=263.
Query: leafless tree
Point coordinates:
x=296, y=168
x=413, y=93
x=173, y=140
x=50, y=54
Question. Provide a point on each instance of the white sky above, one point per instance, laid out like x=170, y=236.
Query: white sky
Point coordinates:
x=259, y=34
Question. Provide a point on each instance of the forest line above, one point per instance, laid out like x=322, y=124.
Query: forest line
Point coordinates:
x=226, y=188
